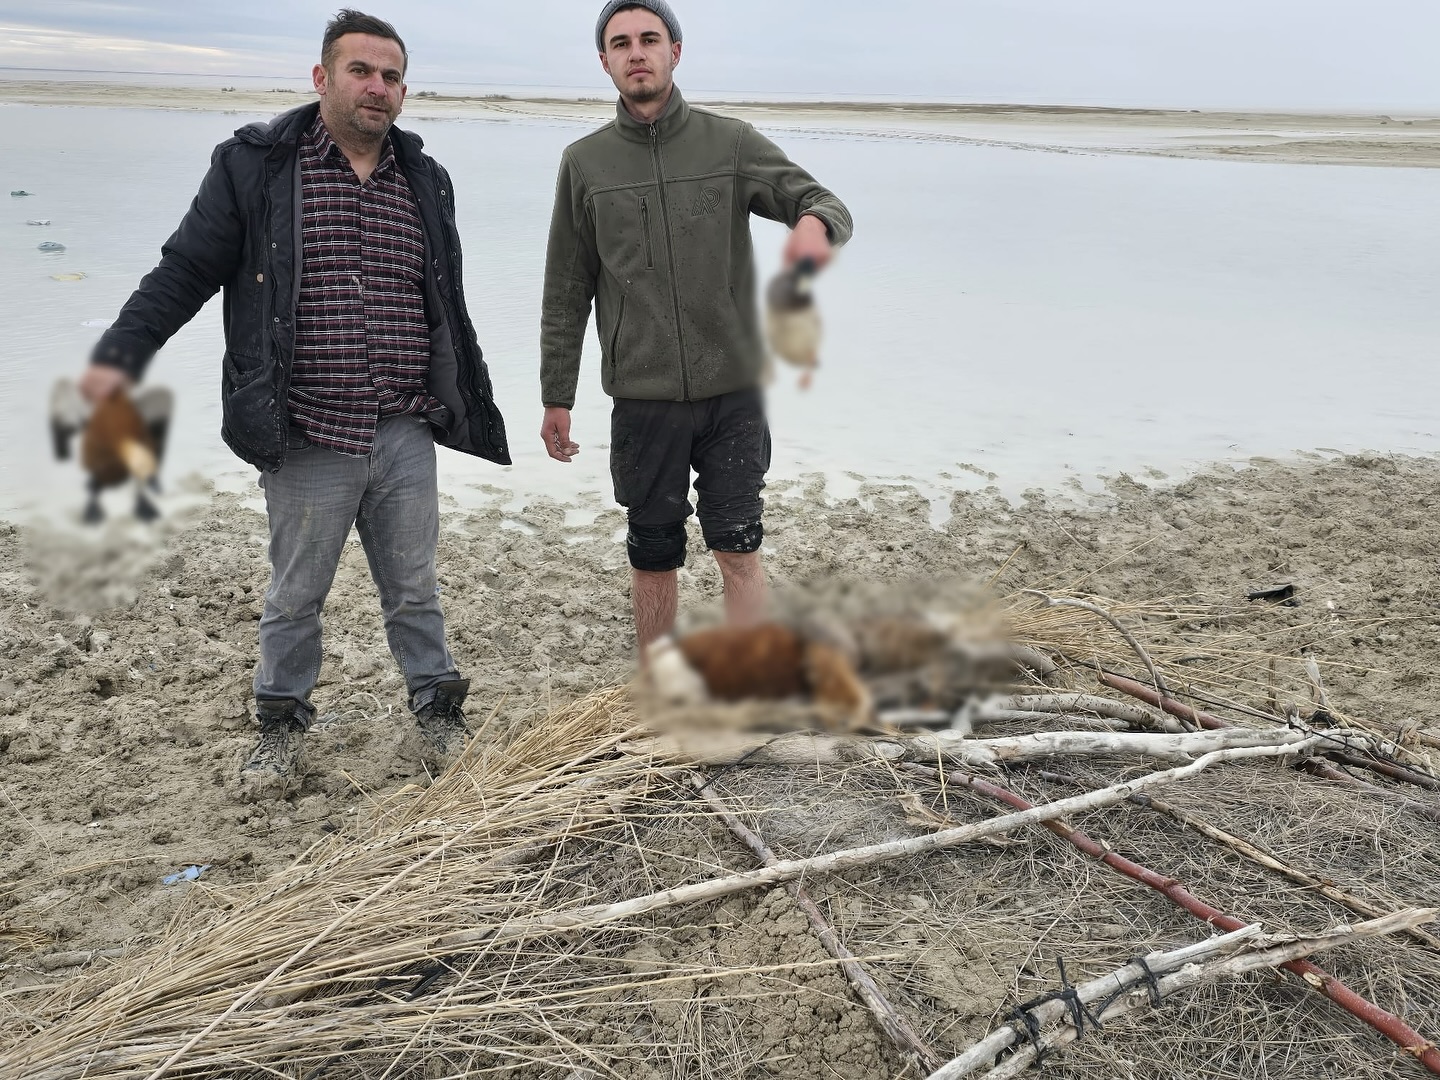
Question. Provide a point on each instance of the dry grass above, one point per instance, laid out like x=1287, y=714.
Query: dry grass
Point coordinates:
x=20, y=938
x=338, y=967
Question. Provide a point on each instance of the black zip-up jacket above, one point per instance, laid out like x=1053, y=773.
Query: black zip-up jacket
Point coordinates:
x=242, y=234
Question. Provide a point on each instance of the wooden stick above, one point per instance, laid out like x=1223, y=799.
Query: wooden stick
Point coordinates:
x=808, y=749
x=1094, y=703
x=982, y=1054
x=1255, y=854
x=1175, y=708
x=1389, y=1025
x=1395, y=771
x=1317, y=688
x=1281, y=955
x=1027, y=656
x=988, y=714
x=905, y=1038
x=1205, y=720
x=593, y=916
x=1326, y=771
x=1276, y=714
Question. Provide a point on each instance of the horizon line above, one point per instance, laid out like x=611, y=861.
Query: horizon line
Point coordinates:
x=821, y=96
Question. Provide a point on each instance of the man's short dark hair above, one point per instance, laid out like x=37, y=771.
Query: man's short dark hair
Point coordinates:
x=350, y=21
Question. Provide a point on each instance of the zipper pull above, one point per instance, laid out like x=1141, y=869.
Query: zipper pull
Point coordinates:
x=652, y=131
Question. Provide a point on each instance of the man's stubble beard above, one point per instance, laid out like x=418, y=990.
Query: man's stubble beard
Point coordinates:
x=359, y=131
x=645, y=95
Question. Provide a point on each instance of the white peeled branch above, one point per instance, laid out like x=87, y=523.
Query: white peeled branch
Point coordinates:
x=953, y=746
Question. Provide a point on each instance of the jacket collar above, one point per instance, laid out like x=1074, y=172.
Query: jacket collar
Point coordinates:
x=677, y=111
x=289, y=127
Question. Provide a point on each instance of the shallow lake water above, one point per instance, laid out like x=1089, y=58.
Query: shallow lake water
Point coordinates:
x=1042, y=319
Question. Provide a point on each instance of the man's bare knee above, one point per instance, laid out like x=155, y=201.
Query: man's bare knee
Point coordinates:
x=746, y=564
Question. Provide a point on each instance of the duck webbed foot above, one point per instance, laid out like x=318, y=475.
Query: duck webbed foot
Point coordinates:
x=145, y=510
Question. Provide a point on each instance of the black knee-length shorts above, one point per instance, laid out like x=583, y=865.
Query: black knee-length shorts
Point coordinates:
x=654, y=445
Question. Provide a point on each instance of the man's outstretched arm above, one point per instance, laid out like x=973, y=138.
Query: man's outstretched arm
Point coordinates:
x=775, y=187
x=194, y=263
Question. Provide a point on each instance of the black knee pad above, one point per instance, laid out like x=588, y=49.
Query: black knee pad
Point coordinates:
x=738, y=541
x=656, y=548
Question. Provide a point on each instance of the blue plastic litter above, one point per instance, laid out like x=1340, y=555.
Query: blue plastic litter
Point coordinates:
x=50, y=246
x=190, y=873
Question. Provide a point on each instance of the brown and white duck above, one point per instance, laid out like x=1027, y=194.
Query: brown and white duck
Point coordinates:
x=122, y=439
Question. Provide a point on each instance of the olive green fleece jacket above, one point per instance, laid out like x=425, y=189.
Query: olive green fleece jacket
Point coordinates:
x=652, y=223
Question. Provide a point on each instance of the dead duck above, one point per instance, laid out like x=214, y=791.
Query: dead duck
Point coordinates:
x=769, y=662
x=121, y=439
x=792, y=322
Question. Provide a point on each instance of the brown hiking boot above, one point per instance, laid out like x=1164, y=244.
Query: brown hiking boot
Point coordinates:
x=278, y=761
x=440, y=724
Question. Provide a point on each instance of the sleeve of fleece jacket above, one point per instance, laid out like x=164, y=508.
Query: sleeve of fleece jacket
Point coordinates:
x=776, y=188
x=194, y=263
x=572, y=265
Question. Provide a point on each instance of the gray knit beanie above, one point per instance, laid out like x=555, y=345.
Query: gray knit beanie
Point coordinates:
x=659, y=7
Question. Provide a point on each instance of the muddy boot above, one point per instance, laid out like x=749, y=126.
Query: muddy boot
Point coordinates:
x=440, y=724
x=277, y=764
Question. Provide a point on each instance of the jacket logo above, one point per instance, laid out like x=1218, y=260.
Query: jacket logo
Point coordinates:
x=707, y=202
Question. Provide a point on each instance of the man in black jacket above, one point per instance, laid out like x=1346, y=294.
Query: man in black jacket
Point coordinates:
x=349, y=353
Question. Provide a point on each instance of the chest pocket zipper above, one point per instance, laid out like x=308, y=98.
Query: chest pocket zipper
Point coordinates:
x=645, y=231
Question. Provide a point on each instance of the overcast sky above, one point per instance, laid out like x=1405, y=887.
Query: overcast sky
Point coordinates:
x=1194, y=53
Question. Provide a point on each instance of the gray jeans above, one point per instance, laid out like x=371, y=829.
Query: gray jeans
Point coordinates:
x=391, y=498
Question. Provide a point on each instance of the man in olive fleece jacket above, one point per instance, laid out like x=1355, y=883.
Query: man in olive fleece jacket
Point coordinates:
x=651, y=223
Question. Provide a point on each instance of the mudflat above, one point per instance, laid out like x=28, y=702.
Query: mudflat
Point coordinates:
x=125, y=681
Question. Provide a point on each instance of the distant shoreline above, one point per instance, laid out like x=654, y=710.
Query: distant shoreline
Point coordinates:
x=1297, y=138
x=106, y=79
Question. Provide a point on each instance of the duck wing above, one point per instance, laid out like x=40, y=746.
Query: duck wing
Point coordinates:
x=68, y=416
x=155, y=404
